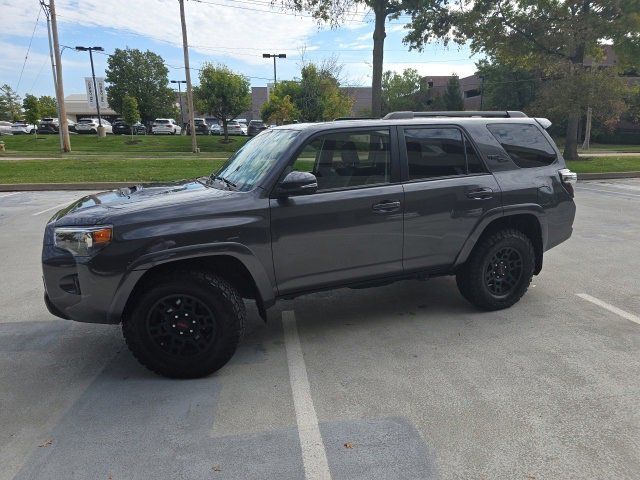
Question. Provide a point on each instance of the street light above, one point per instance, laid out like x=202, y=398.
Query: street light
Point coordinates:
x=180, y=99
x=274, y=56
x=95, y=87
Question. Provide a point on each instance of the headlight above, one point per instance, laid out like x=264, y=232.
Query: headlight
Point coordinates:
x=82, y=241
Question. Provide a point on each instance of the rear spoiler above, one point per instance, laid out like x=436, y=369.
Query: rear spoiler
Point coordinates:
x=543, y=122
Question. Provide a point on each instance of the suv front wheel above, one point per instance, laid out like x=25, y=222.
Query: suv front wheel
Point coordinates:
x=185, y=325
x=499, y=270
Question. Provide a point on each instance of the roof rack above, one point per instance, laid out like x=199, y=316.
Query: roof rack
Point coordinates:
x=470, y=113
x=339, y=119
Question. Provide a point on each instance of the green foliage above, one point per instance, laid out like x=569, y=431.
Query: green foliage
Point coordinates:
x=130, y=112
x=9, y=104
x=398, y=91
x=507, y=87
x=452, y=97
x=602, y=90
x=279, y=110
x=144, y=76
x=223, y=93
x=317, y=96
x=31, y=107
x=48, y=106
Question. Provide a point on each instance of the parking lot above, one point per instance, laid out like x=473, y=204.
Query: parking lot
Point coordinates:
x=406, y=381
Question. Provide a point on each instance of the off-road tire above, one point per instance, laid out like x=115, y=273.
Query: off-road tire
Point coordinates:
x=471, y=277
x=212, y=291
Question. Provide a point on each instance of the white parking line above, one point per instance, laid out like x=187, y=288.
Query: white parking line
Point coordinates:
x=611, y=308
x=314, y=456
x=52, y=208
x=9, y=194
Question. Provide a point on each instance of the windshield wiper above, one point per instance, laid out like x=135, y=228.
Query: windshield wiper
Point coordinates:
x=228, y=183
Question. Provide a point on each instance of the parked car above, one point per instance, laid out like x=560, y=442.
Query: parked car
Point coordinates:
x=23, y=128
x=201, y=127
x=309, y=207
x=215, y=129
x=5, y=128
x=50, y=126
x=234, y=128
x=166, y=126
x=120, y=127
x=255, y=127
x=90, y=125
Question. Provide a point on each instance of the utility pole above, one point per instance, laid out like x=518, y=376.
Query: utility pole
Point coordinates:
x=187, y=70
x=53, y=69
x=179, y=82
x=274, y=56
x=101, y=130
x=62, y=116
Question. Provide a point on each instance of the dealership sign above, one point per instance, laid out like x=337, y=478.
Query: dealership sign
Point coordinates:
x=100, y=95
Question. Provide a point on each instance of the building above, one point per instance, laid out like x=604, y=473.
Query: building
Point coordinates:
x=77, y=108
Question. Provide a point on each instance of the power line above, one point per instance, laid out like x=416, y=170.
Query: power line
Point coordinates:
x=28, y=50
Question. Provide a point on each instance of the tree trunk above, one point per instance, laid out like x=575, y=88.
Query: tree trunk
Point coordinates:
x=379, y=35
x=226, y=133
x=571, y=140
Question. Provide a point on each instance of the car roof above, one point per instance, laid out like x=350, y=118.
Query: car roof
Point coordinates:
x=378, y=123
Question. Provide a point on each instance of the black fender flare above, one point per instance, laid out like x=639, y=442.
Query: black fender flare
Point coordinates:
x=139, y=267
x=498, y=213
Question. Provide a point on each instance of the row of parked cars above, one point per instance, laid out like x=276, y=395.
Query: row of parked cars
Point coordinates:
x=212, y=126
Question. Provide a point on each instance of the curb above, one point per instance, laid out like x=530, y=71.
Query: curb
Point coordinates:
x=36, y=187
x=607, y=175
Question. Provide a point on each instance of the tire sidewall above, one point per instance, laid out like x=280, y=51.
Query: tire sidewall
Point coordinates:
x=200, y=364
x=528, y=263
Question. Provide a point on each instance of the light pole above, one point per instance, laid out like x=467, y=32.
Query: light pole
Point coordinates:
x=101, y=132
x=274, y=56
x=179, y=82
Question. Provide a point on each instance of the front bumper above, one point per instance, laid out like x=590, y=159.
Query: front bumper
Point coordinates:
x=84, y=289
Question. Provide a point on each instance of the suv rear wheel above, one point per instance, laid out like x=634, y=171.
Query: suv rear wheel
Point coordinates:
x=499, y=270
x=186, y=325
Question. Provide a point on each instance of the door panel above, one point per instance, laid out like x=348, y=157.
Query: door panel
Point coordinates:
x=336, y=237
x=441, y=214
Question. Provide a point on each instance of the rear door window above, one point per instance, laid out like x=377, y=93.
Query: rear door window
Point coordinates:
x=439, y=152
x=525, y=144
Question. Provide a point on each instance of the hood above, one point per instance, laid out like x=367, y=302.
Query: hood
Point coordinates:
x=97, y=207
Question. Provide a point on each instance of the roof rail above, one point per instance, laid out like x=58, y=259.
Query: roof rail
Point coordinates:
x=339, y=119
x=469, y=113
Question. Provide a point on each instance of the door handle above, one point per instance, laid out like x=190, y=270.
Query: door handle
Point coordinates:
x=386, y=206
x=480, y=193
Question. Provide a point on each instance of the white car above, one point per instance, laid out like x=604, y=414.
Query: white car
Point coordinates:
x=166, y=126
x=5, y=128
x=215, y=129
x=22, y=128
x=235, y=128
x=90, y=125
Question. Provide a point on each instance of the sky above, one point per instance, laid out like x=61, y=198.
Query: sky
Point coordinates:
x=230, y=32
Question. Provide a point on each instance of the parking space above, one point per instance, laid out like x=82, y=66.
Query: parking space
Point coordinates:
x=403, y=381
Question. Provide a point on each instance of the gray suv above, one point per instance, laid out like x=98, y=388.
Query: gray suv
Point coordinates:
x=308, y=207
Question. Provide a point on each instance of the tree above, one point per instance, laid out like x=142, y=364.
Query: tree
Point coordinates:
x=9, y=104
x=399, y=91
x=223, y=93
x=144, y=76
x=336, y=12
x=557, y=36
x=48, y=106
x=31, y=107
x=279, y=110
x=317, y=96
x=507, y=87
x=452, y=97
x=130, y=112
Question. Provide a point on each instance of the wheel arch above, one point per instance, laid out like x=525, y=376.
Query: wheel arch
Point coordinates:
x=243, y=272
x=530, y=221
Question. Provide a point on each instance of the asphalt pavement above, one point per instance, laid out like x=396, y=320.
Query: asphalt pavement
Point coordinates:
x=406, y=381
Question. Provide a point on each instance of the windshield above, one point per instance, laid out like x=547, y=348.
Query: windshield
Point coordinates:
x=162, y=120
x=250, y=164
x=86, y=120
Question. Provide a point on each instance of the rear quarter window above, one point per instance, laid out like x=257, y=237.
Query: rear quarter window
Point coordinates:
x=524, y=143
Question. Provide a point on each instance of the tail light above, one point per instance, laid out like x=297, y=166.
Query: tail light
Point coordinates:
x=568, y=179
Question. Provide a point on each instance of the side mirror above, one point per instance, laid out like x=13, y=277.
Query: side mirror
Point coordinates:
x=297, y=183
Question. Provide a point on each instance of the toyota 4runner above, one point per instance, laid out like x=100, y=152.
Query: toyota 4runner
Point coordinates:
x=308, y=207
